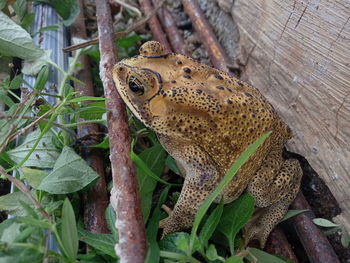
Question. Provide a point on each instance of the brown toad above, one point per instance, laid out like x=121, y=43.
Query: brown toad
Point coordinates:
x=205, y=119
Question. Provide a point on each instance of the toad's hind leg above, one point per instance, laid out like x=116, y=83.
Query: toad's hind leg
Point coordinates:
x=274, y=187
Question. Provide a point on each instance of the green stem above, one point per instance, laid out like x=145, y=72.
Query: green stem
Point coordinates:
x=13, y=94
x=46, y=128
x=173, y=255
x=72, y=125
x=59, y=241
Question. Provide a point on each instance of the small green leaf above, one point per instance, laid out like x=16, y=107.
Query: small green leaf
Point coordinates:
x=68, y=9
x=86, y=98
x=263, y=257
x=212, y=254
x=152, y=230
x=11, y=203
x=234, y=259
x=324, y=222
x=175, y=242
x=6, y=99
x=30, y=221
x=44, y=156
x=153, y=159
x=103, y=145
x=69, y=233
x=16, y=82
x=9, y=230
x=33, y=176
x=292, y=213
x=70, y=174
x=42, y=79
x=235, y=216
x=170, y=162
x=102, y=242
x=211, y=224
x=110, y=218
x=345, y=238
x=91, y=111
x=20, y=8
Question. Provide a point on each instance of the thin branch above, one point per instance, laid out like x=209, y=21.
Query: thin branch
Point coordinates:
x=117, y=35
x=20, y=185
x=128, y=6
x=125, y=196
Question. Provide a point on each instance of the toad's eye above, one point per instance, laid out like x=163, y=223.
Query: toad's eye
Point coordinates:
x=136, y=86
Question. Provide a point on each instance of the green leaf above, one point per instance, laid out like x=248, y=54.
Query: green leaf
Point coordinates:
x=70, y=174
x=16, y=82
x=91, y=111
x=152, y=230
x=292, y=213
x=86, y=98
x=6, y=99
x=68, y=9
x=30, y=221
x=104, y=144
x=2, y=4
x=20, y=8
x=175, y=242
x=45, y=154
x=345, y=238
x=9, y=230
x=170, y=162
x=33, y=176
x=324, y=222
x=11, y=203
x=69, y=233
x=42, y=79
x=234, y=259
x=263, y=257
x=110, y=218
x=227, y=178
x=128, y=41
x=235, y=216
x=212, y=254
x=15, y=41
x=211, y=224
x=33, y=66
x=27, y=21
x=154, y=159
x=102, y=242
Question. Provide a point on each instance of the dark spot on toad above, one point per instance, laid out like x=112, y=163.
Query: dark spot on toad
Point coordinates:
x=220, y=87
x=187, y=76
x=229, y=101
x=187, y=70
x=217, y=76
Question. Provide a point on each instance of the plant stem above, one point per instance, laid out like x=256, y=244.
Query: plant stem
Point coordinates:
x=173, y=255
x=20, y=185
x=72, y=125
x=46, y=128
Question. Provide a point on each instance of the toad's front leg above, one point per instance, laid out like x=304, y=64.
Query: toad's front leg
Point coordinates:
x=201, y=178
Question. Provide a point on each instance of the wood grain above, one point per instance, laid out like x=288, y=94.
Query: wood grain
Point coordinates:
x=297, y=54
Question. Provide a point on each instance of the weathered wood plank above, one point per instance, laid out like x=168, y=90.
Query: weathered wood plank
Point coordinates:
x=298, y=54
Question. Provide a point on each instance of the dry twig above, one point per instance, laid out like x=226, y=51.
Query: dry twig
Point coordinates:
x=117, y=35
x=125, y=198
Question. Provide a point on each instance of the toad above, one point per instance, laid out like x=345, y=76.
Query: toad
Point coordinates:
x=205, y=119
